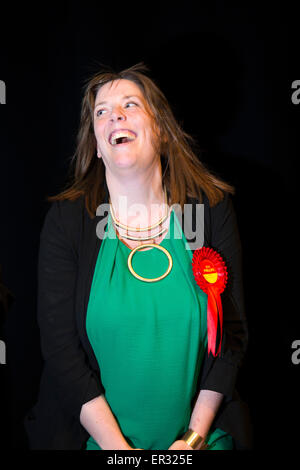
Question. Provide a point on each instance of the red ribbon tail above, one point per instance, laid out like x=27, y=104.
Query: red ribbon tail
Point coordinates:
x=220, y=312
x=214, y=311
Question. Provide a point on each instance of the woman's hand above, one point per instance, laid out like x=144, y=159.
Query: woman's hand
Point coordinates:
x=180, y=445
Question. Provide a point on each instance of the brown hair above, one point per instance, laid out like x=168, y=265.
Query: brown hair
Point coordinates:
x=183, y=174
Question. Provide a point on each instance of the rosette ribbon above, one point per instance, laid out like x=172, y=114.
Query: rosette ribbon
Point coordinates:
x=210, y=274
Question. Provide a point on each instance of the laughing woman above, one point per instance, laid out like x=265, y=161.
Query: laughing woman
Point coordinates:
x=124, y=327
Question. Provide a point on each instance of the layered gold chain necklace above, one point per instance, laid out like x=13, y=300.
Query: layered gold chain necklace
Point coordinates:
x=118, y=224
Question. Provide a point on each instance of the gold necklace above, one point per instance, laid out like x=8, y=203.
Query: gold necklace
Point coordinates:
x=146, y=245
x=138, y=229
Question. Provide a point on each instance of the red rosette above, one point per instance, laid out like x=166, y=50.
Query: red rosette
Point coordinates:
x=210, y=273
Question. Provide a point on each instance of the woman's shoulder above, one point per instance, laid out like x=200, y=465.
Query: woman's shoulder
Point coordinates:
x=63, y=216
x=66, y=208
x=222, y=205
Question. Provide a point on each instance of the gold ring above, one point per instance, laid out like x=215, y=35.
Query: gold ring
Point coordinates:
x=152, y=245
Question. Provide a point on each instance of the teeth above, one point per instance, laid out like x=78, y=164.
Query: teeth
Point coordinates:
x=120, y=134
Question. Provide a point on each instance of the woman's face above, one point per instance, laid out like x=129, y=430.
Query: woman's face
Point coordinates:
x=124, y=128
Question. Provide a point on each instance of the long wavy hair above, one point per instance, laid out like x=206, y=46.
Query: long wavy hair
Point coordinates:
x=183, y=174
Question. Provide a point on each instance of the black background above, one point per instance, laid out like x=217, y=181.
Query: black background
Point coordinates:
x=227, y=71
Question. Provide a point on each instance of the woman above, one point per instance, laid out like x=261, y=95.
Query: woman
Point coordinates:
x=124, y=338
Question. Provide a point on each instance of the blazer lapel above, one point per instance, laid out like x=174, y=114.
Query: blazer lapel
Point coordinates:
x=89, y=250
x=192, y=224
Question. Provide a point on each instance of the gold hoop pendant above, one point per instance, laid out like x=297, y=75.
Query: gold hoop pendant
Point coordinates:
x=152, y=245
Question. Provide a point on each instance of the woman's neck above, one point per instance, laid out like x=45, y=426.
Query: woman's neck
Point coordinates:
x=139, y=201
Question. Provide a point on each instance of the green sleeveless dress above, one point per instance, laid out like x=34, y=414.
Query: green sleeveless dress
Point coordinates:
x=149, y=339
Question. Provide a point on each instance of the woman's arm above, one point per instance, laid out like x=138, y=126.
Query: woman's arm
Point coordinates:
x=219, y=373
x=74, y=382
x=97, y=418
x=204, y=412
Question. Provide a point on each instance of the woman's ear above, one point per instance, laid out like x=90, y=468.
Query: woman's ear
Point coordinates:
x=98, y=153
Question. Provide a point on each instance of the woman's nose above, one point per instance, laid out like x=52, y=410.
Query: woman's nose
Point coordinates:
x=117, y=114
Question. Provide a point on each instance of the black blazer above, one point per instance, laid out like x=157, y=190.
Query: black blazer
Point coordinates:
x=71, y=377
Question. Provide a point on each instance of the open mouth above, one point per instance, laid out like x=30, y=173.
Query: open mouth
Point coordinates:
x=122, y=137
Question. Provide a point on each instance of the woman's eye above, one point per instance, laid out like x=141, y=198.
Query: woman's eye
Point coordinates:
x=100, y=112
x=130, y=104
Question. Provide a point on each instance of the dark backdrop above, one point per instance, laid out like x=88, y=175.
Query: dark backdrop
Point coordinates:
x=227, y=72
